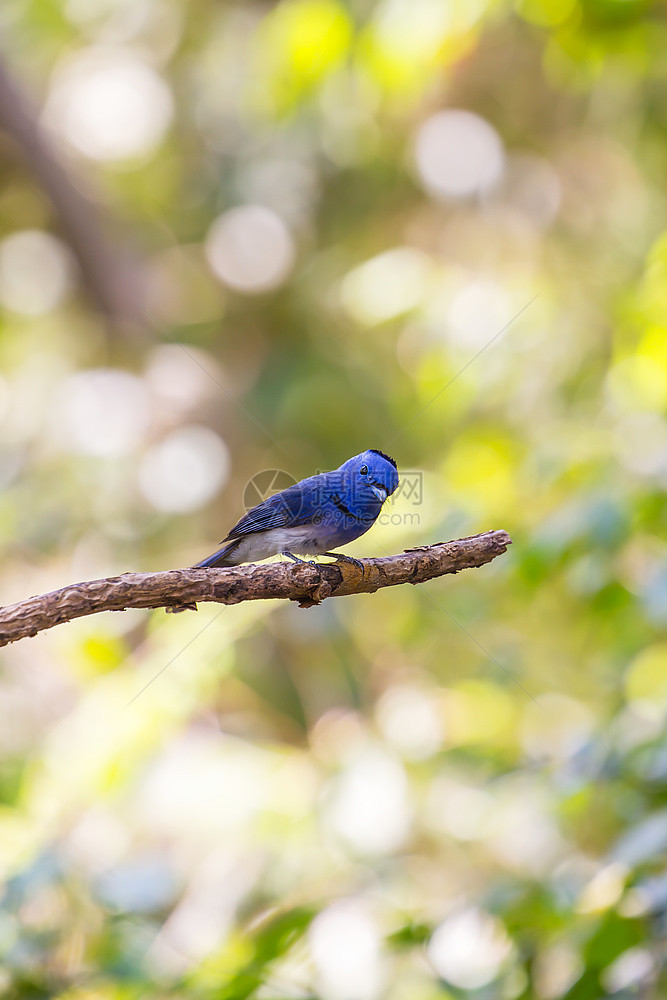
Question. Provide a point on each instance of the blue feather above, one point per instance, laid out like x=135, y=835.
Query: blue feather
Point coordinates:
x=313, y=516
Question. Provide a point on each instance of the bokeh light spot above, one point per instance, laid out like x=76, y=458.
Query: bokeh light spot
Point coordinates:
x=638, y=380
x=458, y=154
x=185, y=470
x=604, y=890
x=405, y=39
x=369, y=807
x=182, y=377
x=106, y=412
x=299, y=42
x=250, y=249
x=631, y=972
x=386, y=286
x=109, y=104
x=469, y=948
x=557, y=967
x=36, y=272
x=409, y=720
x=345, y=944
x=477, y=312
x=460, y=810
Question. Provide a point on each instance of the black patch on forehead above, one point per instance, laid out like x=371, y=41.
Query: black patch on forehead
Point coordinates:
x=376, y=451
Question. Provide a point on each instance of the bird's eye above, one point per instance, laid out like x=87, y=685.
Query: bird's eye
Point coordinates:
x=363, y=471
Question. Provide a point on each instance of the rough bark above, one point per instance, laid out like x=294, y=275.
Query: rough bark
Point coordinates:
x=307, y=583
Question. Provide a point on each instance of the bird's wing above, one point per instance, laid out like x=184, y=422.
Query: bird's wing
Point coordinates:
x=298, y=504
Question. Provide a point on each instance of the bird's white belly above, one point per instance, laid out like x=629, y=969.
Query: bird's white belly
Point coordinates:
x=263, y=544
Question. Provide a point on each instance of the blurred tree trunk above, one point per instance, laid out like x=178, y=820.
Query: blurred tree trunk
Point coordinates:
x=112, y=279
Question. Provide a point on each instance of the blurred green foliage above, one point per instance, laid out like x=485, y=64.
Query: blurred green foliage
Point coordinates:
x=435, y=228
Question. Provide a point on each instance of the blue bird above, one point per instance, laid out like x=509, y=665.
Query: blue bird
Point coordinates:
x=313, y=516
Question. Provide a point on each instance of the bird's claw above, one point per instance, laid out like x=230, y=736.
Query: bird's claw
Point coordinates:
x=296, y=559
x=337, y=556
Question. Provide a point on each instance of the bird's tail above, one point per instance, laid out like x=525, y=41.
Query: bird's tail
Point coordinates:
x=220, y=558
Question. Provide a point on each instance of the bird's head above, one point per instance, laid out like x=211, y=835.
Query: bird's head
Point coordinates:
x=372, y=471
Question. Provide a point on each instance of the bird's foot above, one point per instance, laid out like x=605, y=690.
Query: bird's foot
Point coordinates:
x=340, y=557
x=297, y=559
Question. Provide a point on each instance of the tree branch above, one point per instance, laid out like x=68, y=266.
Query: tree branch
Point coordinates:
x=306, y=583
